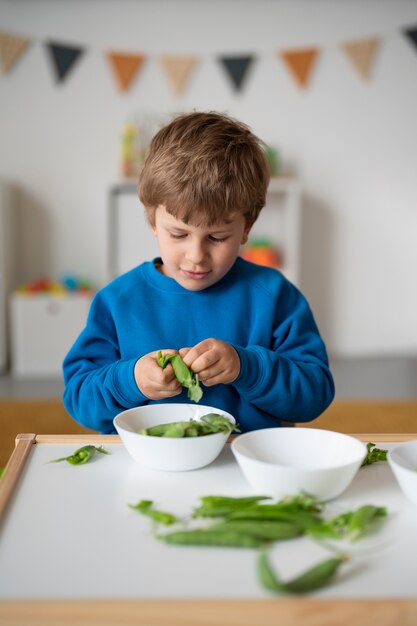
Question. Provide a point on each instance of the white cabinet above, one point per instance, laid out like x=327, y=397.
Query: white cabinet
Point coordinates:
x=43, y=328
x=131, y=241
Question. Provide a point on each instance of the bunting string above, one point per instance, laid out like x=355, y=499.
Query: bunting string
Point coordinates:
x=125, y=67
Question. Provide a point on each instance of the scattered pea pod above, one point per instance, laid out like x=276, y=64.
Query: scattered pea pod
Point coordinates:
x=351, y=525
x=221, y=506
x=82, y=455
x=162, y=517
x=315, y=578
x=248, y=522
x=183, y=374
x=210, y=537
x=373, y=454
x=265, y=530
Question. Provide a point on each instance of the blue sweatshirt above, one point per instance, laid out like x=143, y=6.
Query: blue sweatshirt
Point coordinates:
x=284, y=373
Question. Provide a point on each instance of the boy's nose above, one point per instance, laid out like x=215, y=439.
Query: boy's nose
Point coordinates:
x=196, y=253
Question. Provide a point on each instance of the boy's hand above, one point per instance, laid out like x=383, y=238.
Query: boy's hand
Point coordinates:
x=154, y=382
x=215, y=361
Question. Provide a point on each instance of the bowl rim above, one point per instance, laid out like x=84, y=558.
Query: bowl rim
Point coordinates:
x=269, y=464
x=400, y=463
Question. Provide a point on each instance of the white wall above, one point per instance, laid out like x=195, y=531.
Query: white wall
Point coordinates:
x=353, y=144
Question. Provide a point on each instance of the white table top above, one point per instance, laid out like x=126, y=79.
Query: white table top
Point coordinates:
x=68, y=533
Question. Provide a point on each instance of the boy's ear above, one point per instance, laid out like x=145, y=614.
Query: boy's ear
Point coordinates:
x=246, y=232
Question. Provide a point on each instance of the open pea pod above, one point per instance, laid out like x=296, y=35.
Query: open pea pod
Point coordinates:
x=316, y=577
x=183, y=374
x=82, y=455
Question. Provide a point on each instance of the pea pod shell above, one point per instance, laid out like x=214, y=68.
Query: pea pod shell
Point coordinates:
x=314, y=578
x=206, y=537
x=267, y=531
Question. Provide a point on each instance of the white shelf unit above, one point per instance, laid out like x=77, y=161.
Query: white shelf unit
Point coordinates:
x=279, y=222
x=131, y=241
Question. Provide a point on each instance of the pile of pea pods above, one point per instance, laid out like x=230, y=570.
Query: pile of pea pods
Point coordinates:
x=254, y=522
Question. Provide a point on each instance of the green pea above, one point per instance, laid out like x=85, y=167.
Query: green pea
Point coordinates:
x=207, y=537
x=314, y=578
x=82, y=455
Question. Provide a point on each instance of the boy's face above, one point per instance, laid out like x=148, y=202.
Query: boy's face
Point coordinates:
x=198, y=256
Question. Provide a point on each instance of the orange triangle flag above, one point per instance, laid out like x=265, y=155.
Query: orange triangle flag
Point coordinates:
x=178, y=69
x=125, y=67
x=300, y=63
x=11, y=48
x=361, y=53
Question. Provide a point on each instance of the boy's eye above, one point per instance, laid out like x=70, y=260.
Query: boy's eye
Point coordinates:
x=217, y=239
x=178, y=235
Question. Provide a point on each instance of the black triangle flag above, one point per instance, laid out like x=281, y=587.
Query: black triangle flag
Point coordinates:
x=411, y=33
x=63, y=58
x=237, y=69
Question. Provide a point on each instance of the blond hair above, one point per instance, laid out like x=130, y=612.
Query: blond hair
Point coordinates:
x=204, y=168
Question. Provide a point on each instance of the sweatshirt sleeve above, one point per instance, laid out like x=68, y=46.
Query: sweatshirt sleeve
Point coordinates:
x=98, y=382
x=291, y=380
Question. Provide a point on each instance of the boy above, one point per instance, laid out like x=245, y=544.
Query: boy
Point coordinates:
x=244, y=329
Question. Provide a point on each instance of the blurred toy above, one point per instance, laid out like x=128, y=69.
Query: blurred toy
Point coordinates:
x=262, y=252
x=136, y=136
x=68, y=283
x=129, y=157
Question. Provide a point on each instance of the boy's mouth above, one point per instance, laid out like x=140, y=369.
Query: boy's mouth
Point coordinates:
x=195, y=275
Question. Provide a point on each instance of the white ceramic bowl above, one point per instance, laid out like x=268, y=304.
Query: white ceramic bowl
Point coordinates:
x=403, y=462
x=283, y=462
x=166, y=453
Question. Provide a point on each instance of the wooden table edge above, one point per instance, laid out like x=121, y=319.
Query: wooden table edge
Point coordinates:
x=300, y=611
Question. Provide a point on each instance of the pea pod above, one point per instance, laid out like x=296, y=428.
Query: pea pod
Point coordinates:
x=352, y=524
x=209, y=537
x=162, y=517
x=221, y=506
x=302, y=519
x=265, y=530
x=191, y=428
x=373, y=454
x=183, y=374
x=362, y=518
x=314, y=578
x=82, y=455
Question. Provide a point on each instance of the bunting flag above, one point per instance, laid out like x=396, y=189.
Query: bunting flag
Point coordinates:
x=361, y=53
x=11, y=49
x=63, y=58
x=178, y=70
x=125, y=67
x=237, y=69
x=411, y=33
x=300, y=62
